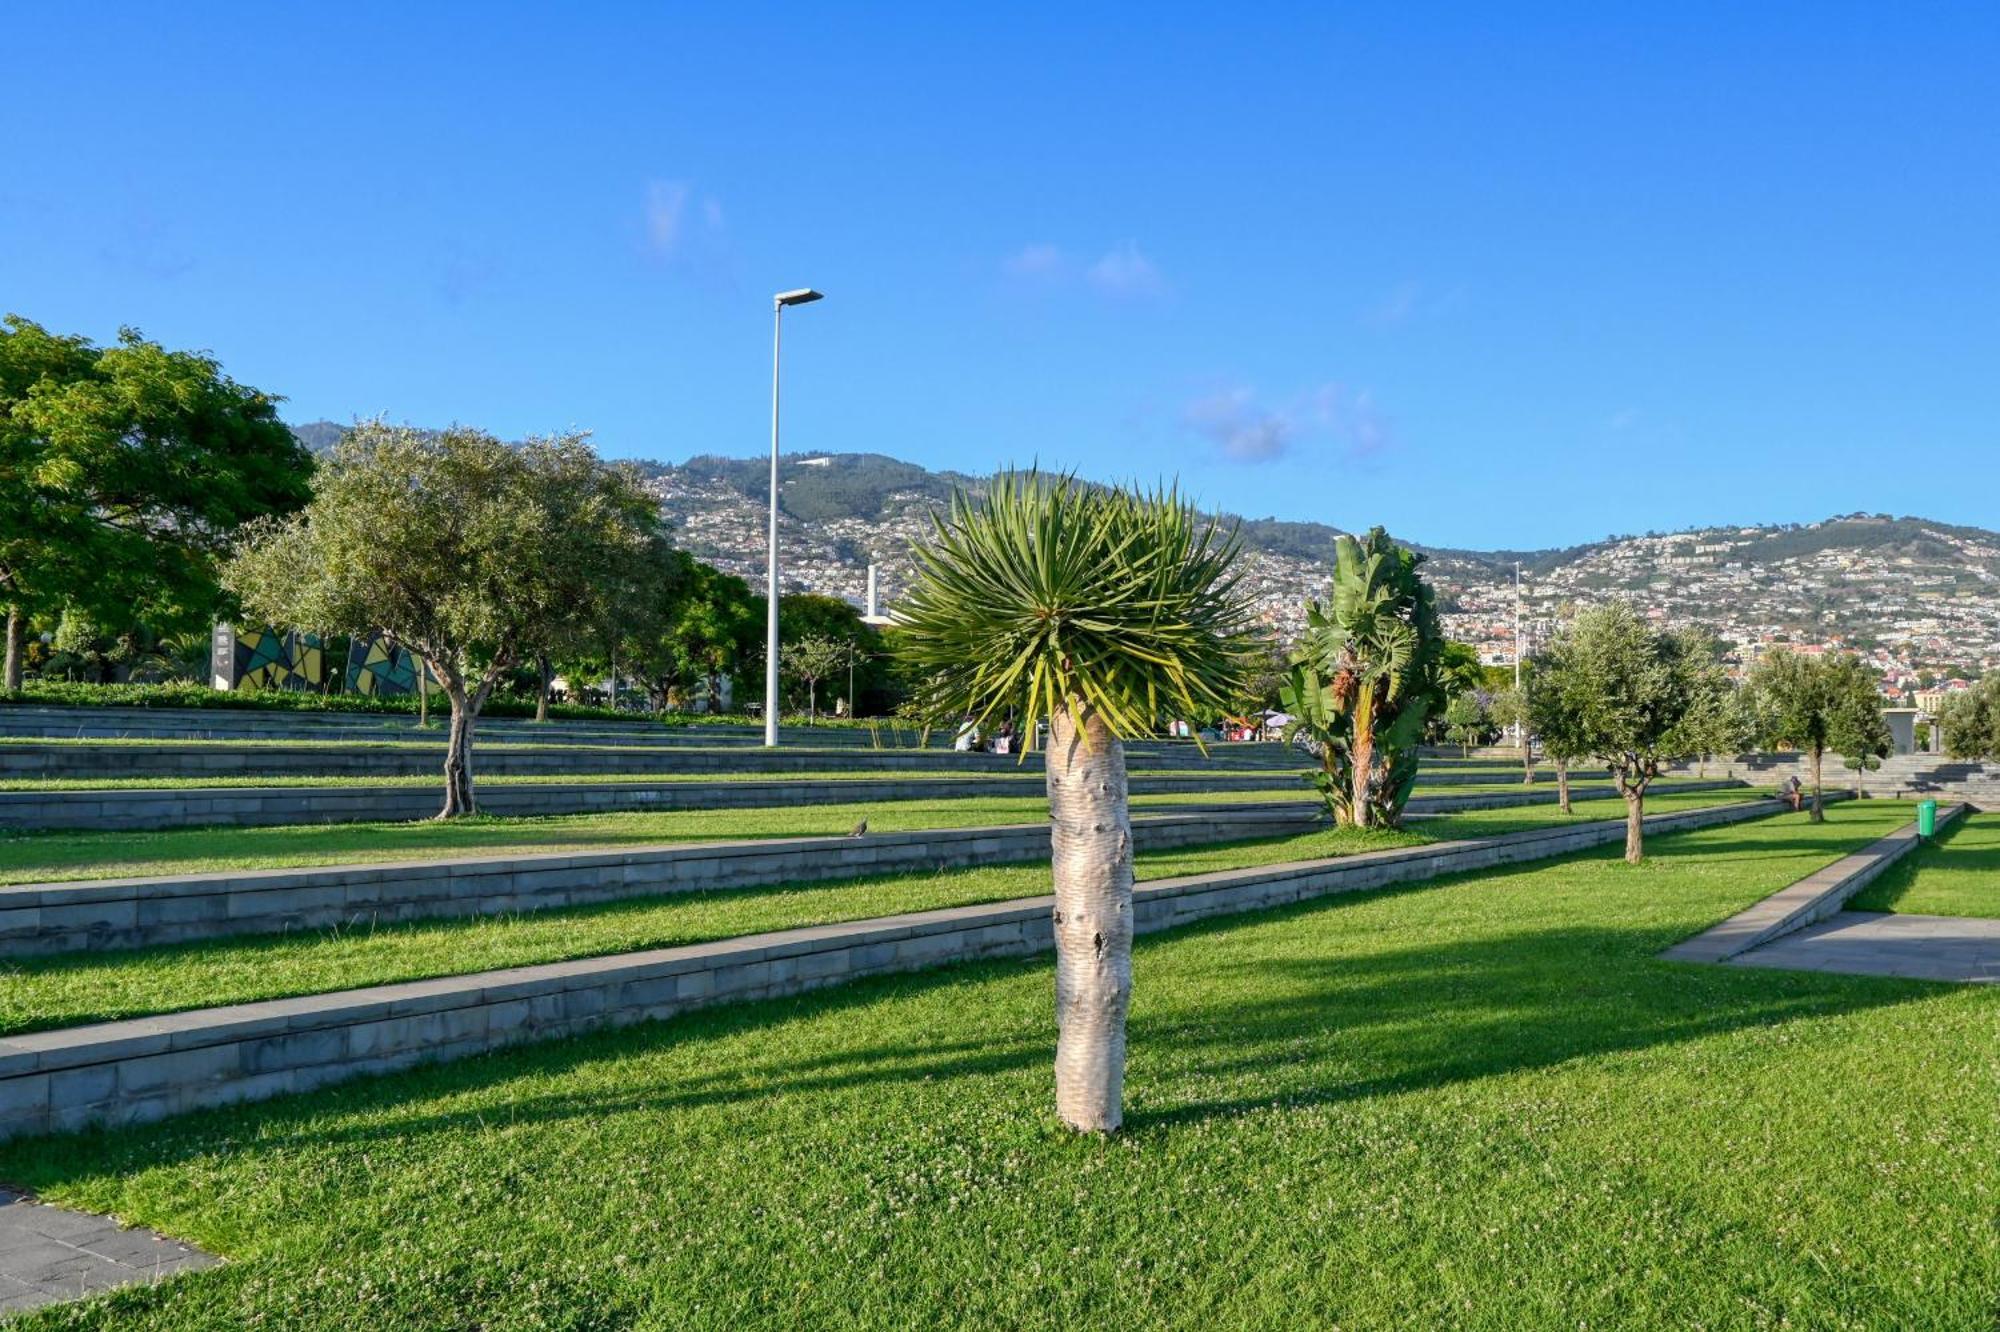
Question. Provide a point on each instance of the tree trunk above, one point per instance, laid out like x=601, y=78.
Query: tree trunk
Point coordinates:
x=1562, y=787
x=458, y=797
x=1635, y=823
x=1818, y=814
x=423, y=692
x=543, y=673
x=1527, y=759
x=17, y=634
x=1364, y=754
x=1090, y=836
x=812, y=702
x=714, y=692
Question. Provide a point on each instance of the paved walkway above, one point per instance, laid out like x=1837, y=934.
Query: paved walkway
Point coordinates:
x=49, y=1254
x=1941, y=948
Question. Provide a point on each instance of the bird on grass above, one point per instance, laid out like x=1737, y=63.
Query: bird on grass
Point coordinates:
x=860, y=829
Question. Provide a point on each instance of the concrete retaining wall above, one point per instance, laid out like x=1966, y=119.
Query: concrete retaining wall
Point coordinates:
x=41, y=919
x=144, y=1069
x=253, y=806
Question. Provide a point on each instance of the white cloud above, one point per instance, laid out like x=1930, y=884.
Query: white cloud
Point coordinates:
x=1235, y=424
x=1037, y=261
x=1126, y=274
x=1122, y=273
x=670, y=230
x=1244, y=430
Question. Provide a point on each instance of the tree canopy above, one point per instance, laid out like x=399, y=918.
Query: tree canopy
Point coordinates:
x=1817, y=703
x=469, y=550
x=1612, y=687
x=124, y=473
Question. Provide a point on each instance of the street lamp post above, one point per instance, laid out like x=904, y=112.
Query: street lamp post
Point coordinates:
x=802, y=296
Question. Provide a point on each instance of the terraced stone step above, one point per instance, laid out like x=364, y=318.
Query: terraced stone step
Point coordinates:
x=98, y=914
x=147, y=1068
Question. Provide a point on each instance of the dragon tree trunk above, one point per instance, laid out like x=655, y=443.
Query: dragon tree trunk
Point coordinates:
x=1090, y=834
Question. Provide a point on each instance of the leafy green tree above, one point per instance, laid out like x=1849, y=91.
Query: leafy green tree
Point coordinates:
x=1813, y=704
x=1367, y=678
x=124, y=472
x=1465, y=720
x=1509, y=712
x=1632, y=697
x=1969, y=721
x=1557, y=723
x=812, y=659
x=1098, y=611
x=459, y=545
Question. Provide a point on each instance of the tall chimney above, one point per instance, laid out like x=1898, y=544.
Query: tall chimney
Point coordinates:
x=871, y=592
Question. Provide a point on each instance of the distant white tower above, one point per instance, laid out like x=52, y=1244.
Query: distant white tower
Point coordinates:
x=874, y=615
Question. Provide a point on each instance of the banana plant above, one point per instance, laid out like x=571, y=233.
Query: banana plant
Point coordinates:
x=1367, y=675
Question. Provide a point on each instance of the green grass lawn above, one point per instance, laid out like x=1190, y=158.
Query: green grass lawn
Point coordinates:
x=44, y=857
x=91, y=987
x=1223, y=775
x=1957, y=875
x=1480, y=1103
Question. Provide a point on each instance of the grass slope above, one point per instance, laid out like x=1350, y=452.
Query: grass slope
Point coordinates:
x=1477, y=1104
x=95, y=987
x=46, y=857
x=1957, y=875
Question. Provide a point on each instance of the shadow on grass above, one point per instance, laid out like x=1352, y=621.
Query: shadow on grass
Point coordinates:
x=1300, y=1017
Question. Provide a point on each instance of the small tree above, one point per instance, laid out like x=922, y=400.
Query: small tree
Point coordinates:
x=1557, y=723
x=459, y=545
x=1097, y=611
x=1465, y=721
x=1510, y=710
x=812, y=660
x=1628, y=695
x=1814, y=704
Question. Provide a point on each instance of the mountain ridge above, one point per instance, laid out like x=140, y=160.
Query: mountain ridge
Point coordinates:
x=1922, y=598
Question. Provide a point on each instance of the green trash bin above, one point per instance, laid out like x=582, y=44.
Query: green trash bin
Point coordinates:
x=1926, y=817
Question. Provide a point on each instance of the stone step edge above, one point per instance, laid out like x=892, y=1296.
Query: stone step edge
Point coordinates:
x=67, y=891
x=1269, y=813
x=75, y=1047
x=1809, y=900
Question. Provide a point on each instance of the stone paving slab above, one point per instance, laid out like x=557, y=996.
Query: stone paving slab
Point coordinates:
x=1813, y=898
x=50, y=1254
x=1866, y=943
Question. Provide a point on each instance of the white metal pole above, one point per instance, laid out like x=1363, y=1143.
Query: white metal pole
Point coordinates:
x=771, y=591
x=1520, y=731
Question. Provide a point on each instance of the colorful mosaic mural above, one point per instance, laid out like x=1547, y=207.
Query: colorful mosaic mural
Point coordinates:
x=378, y=667
x=263, y=658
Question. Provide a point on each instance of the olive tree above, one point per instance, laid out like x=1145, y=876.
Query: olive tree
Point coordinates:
x=1630, y=696
x=468, y=550
x=1509, y=711
x=1098, y=611
x=1813, y=704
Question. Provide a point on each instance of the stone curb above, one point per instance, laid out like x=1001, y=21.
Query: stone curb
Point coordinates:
x=1811, y=899
x=143, y=1069
x=98, y=914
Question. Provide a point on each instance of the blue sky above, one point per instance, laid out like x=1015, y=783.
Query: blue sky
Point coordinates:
x=1491, y=275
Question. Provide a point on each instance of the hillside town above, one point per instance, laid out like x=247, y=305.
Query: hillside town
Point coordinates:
x=1920, y=603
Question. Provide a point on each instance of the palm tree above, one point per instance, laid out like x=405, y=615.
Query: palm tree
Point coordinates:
x=1096, y=611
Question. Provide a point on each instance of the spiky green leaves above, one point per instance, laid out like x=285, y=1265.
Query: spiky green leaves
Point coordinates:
x=1045, y=591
